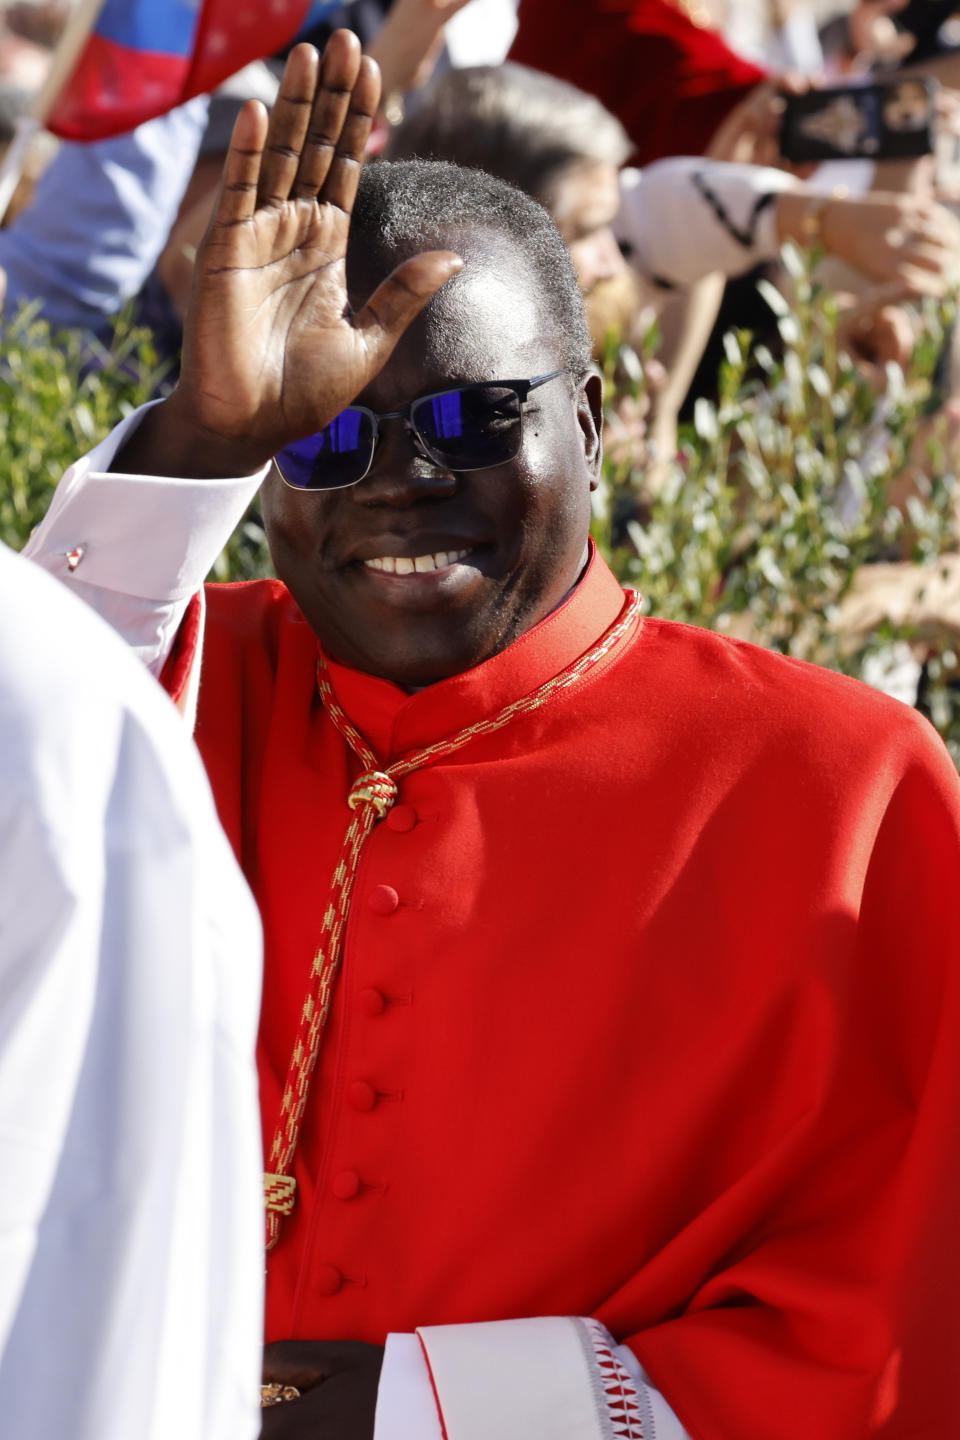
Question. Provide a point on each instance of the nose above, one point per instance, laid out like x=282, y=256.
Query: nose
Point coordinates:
x=597, y=257
x=402, y=472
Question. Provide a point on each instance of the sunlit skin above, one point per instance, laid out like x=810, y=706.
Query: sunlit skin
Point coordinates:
x=525, y=523
x=584, y=202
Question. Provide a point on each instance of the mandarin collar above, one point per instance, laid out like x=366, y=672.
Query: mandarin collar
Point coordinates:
x=394, y=722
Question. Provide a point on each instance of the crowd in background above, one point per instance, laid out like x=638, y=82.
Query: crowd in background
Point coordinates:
x=652, y=131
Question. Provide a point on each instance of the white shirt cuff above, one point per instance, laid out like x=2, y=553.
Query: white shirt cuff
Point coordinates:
x=666, y=1426
x=137, y=547
x=551, y=1378
x=406, y=1409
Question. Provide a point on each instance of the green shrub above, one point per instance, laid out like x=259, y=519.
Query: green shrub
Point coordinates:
x=781, y=491
x=61, y=394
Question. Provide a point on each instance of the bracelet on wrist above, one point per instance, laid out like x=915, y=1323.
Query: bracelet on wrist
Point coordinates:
x=811, y=224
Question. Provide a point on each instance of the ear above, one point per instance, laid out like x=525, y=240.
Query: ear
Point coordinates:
x=590, y=419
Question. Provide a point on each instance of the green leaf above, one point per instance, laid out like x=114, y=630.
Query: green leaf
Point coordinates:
x=782, y=493
x=794, y=261
x=773, y=298
x=820, y=380
x=731, y=348
x=705, y=420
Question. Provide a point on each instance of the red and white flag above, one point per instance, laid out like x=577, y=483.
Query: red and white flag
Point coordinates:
x=140, y=58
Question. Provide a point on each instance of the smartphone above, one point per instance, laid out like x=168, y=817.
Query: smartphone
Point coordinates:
x=892, y=120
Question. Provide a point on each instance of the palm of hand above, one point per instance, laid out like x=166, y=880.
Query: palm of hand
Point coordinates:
x=272, y=350
x=274, y=330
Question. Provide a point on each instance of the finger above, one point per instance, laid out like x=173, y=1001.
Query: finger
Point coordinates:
x=291, y=1362
x=928, y=257
x=923, y=282
x=795, y=82
x=891, y=292
x=931, y=234
x=942, y=230
x=305, y=1363
x=899, y=333
x=291, y=1420
x=341, y=184
x=428, y=62
x=338, y=1408
x=339, y=70
x=288, y=126
x=400, y=298
x=237, y=200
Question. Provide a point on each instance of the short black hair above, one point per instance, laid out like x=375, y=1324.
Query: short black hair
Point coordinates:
x=525, y=126
x=406, y=206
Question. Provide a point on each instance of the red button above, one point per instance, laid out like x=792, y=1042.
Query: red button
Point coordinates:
x=402, y=818
x=372, y=1002
x=346, y=1185
x=361, y=1095
x=383, y=900
x=327, y=1280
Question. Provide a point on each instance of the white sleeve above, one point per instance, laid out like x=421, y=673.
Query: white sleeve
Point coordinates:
x=686, y=217
x=131, y=1198
x=550, y=1378
x=136, y=548
x=99, y=218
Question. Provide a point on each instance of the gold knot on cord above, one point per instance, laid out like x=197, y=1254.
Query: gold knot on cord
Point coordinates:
x=279, y=1192
x=374, y=788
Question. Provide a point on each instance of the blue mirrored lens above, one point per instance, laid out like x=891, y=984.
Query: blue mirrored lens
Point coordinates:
x=447, y=415
x=472, y=428
x=336, y=456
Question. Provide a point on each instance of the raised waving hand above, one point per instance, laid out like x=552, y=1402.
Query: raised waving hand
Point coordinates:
x=271, y=349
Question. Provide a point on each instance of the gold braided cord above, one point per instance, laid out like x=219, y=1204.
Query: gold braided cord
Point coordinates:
x=371, y=796
x=313, y=1016
x=374, y=788
x=280, y=1192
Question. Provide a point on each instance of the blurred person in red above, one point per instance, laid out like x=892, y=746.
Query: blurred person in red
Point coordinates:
x=131, y=1283
x=670, y=82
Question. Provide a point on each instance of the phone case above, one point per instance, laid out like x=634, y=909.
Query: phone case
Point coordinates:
x=894, y=120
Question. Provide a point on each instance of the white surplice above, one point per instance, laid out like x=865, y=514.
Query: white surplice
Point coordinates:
x=131, y=1231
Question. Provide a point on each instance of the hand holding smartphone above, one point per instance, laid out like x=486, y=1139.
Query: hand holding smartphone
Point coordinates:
x=891, y=120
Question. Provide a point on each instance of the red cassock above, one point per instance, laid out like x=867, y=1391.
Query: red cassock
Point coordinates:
x=669, y=82
x=648, y=1010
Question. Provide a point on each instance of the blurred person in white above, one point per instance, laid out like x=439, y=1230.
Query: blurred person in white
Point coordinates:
x=679, y=214
x=556, y=142
x=131, y=1214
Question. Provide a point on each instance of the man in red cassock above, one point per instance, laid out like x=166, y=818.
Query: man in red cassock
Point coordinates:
x=669, y=80
x=609, y=1048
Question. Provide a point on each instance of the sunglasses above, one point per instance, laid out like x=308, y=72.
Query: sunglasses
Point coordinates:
x=471, y=427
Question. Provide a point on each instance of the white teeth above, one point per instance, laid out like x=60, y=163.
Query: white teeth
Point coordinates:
x=420, y=564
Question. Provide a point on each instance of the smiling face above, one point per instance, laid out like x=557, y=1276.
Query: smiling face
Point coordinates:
x=510, y=541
